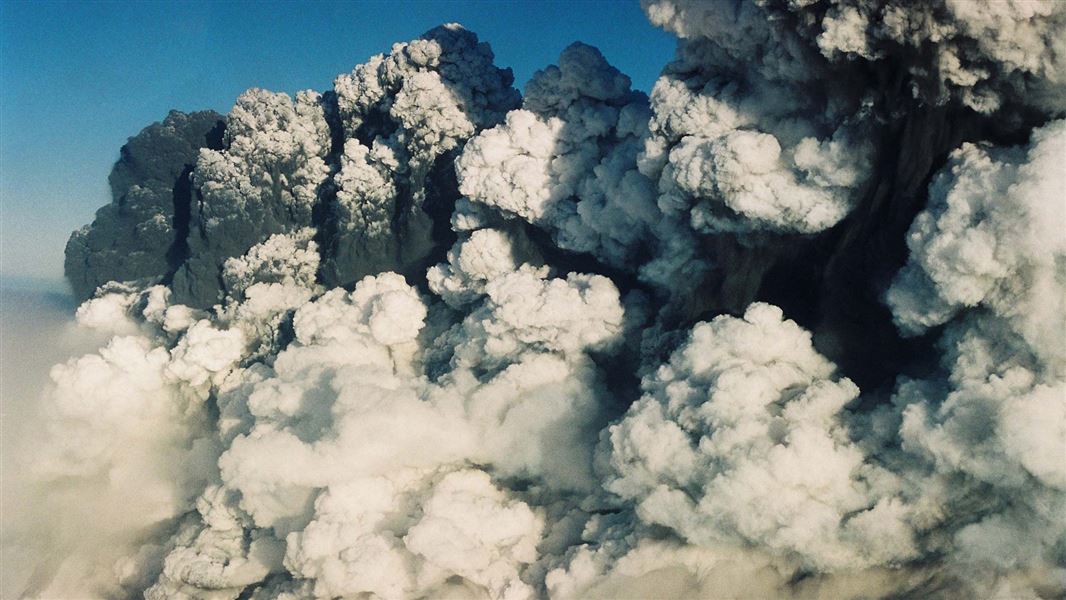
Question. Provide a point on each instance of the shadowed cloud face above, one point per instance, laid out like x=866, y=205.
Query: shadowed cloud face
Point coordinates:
x=785, y=327
x=144, y=233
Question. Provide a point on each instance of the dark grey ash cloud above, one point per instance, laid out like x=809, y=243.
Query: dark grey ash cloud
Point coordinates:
x=142, y=234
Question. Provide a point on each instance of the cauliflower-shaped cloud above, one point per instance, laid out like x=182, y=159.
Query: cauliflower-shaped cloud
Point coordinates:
x=417, y=336
x=716, y=449
x=264, y=182
x=991, y=236
x=401, y=114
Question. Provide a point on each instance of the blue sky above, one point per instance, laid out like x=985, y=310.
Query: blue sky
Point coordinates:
x=77, y=79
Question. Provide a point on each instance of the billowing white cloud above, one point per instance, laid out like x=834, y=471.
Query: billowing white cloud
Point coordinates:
x=991, y=236
x=265, y=181
x=739, y=440
x=988, y=256
x=742, y=138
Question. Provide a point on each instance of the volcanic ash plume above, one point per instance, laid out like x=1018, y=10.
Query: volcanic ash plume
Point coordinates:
x=790, y=326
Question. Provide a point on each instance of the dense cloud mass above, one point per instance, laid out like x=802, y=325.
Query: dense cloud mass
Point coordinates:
x=792, y=325
x=143, y=233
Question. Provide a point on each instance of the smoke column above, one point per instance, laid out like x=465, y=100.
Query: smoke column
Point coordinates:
x=794, y=325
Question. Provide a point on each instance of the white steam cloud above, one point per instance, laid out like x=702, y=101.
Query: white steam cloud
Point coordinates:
x=792, y=326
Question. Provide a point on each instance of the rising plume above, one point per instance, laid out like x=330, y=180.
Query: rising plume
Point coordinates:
x=792, y=325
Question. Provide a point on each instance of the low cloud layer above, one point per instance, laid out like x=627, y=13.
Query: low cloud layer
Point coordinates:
x=789, y=326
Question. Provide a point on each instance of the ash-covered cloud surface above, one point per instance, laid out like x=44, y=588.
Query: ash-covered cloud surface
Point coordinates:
x=792, y=325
